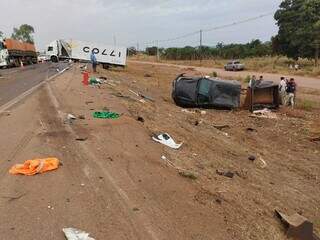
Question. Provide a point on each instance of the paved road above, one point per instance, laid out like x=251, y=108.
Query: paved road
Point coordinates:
x=306, y=82
x=15, y=81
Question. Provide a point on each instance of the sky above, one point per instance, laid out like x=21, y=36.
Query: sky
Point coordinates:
x=132, y=22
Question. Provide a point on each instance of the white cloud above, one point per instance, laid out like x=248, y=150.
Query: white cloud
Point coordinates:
x=133, y=21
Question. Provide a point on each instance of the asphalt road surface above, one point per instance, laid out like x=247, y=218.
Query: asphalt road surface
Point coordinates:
x=15, y=81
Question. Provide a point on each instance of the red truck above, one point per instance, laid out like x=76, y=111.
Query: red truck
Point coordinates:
x=14, y=52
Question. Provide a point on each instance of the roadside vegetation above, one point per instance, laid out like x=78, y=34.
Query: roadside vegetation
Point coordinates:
x=297, y=43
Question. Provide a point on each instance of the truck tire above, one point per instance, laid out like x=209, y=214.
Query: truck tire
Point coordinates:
x=54, y=59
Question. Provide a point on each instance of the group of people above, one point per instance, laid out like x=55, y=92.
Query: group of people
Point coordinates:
x=287, y=90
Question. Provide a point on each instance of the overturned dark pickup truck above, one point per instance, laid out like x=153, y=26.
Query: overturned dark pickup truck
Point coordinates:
x=206, y=92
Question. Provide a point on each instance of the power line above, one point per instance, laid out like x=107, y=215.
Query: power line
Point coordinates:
x=210, y=29
x=237, y=23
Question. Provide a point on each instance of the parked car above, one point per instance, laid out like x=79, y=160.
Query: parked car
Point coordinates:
x=234, y=66
x=206, y=92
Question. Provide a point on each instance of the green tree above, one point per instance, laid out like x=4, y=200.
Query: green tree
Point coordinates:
x=299, y=27
x=23, y=33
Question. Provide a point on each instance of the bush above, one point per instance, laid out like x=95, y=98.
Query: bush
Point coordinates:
x=214, y=74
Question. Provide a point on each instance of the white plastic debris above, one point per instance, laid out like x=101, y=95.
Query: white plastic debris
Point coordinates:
x=164, y=158
x=165, y=139
x=71, y=117
x=264, y=113
x=203, y=112
x=76, y=234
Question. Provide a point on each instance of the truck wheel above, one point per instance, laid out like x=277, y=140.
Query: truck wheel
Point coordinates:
x=54, y=59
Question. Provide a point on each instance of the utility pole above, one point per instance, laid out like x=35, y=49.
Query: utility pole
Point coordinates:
x=158, y=54
x=200, y=47
x=114, y=40
x=137, y=47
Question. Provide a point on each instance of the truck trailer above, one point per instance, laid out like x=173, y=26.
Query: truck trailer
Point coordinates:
x=14, y=52
x=80, y=51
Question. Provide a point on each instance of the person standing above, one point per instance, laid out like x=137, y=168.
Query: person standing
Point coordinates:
x=93, y=62
x=282, y=90
x=291, y=91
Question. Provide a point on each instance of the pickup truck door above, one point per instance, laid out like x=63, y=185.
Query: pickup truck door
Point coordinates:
x=204, y=92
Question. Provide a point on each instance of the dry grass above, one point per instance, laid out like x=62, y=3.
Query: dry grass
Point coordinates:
x=263, y=64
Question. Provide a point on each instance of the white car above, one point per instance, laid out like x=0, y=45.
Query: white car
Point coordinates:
x=234, y=66
x=43, y=58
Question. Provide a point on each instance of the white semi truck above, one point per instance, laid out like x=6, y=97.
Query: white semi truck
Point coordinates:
x=79, y=50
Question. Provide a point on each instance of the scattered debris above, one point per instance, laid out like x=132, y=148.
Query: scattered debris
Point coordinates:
x=316, y=139
x=76, y=234
x=135, y=209
x=221, y=127
x=264, y=113
x=82, y=117
x=188, y=174
x=32, y=167
x=252, y=158
x=228, y=174
x=187, y=111
x=103, y=78
x=203, y=112
x=82, y=184
x=298, y=227
x=249, y=129
x=147, y=75
x=50, y=207
x=164, y=158
x=165, y=139
x=142, y=96
x=71, y=117
x=95, y=81
x=263, y=163
x=82, y=139
x=140, y=119
x=106, y=115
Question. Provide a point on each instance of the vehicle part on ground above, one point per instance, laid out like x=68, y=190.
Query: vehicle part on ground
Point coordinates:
x=206, y=92
x=262, y=94
x=298, y=227
x=165, y=139
x=76, y=234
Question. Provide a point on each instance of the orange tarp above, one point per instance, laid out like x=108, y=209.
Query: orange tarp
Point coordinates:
x=32, y=167
x=16, y=45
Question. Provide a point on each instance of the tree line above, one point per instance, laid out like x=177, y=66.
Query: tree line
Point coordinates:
x=23, y=33
x=255, y=48
x=298, y=37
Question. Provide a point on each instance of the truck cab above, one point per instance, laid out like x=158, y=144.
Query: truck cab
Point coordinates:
x=58, y=49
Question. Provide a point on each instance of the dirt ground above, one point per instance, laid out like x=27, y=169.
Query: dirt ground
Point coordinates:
x=117, y=185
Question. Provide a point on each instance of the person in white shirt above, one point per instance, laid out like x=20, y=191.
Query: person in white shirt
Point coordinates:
x=282, y=90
